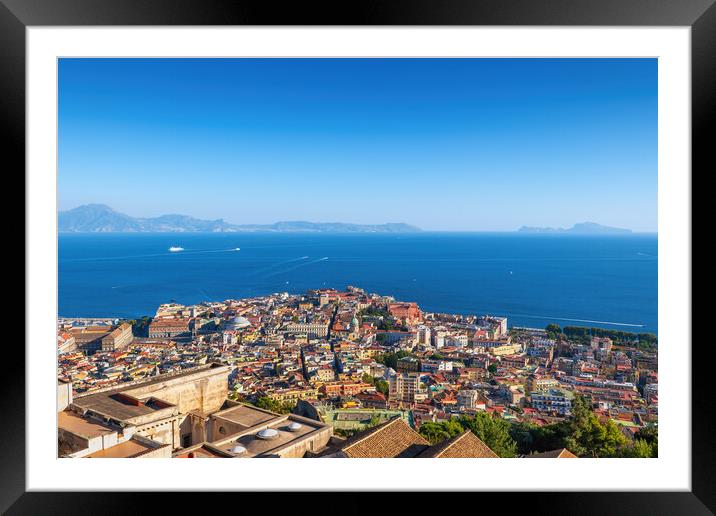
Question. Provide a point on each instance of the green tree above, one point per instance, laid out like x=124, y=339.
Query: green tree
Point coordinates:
x=584, y=435
x=589, y=437
x=273, y=405
x=391, y=359
x=267, y=403
x=492, y=368
x=640, y=449
x=140, y=327
x=533, y=438
x=646, y=442
x=345, y=432
x=433, y=432
x=373, y=311
x=650, y=433
x=438, y=432
x=382, y=387
x=648, y=341
x=494, y=432
x=524, y=435
x=553, y=331
x=553, y=328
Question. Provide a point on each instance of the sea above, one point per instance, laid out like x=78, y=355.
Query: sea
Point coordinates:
x=607, y=281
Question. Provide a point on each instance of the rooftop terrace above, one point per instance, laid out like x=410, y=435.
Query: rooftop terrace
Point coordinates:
x=77, y=425
x=128, y=449
x=245, y=416
x=257, y=446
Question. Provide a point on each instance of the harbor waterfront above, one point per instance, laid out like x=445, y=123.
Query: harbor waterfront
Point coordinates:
x=607, y=281
x=352, y=374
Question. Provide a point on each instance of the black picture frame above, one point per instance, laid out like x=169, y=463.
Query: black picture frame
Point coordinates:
x=700, y=15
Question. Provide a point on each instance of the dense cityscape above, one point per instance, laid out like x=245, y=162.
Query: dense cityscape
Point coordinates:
x=350, y=374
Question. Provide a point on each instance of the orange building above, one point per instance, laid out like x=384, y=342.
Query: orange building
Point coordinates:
x=168, y=327
x=334, y=389
x=406, y=312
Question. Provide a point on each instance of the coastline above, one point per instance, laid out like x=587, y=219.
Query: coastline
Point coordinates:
x=532, y=279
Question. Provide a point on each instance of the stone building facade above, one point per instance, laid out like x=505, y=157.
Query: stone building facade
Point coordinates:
x=119, y=338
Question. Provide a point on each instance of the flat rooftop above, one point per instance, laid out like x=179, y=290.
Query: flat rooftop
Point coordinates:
x=79, y=426
x=113, y=405
x=201, y=452
x=256, y=446
x=245, y=416
x=127, y=449
x=112, y=402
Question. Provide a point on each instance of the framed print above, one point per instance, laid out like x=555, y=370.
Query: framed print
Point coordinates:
x=457, y=233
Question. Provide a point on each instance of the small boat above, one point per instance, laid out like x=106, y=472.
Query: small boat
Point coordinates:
x=174, y=249
x=237, y=249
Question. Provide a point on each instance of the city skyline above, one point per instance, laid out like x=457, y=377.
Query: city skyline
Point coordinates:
x=350, y=374
x=444, y=144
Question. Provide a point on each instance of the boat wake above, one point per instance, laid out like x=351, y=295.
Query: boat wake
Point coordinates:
x=296, y=267
x=275, y=265
x=547, y=317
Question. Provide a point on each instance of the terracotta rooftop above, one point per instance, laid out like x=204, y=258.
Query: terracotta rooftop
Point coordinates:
x=77, y=425
x=394, y=438
x=464, y=446
x=128, y=449
x=562, y=453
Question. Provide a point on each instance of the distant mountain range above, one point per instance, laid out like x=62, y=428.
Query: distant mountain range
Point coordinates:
x=583, y=228
x=99, y=218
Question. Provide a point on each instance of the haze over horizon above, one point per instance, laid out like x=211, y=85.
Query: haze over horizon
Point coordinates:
x=442, y=144
x=94, y=213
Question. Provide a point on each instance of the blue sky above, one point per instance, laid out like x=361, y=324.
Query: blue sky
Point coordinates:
x=445, y=144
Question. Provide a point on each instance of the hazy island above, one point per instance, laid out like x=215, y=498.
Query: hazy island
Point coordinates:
x=99, y=218
x=583, y=228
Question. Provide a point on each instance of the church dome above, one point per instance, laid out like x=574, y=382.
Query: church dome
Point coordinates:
x=237, y=323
